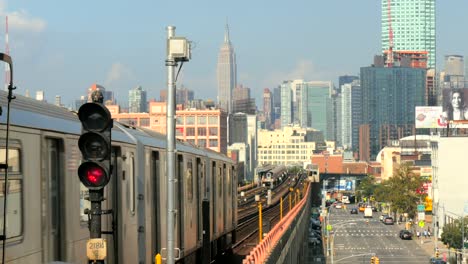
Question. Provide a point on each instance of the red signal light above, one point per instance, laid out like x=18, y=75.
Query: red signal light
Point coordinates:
x=93, y=175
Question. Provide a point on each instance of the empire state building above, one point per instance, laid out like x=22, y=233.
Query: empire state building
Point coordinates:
x=227, y=73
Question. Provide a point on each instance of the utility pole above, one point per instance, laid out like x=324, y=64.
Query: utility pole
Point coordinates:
x=178, y=49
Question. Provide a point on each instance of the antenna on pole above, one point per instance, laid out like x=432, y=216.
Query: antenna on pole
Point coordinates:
x=7, y=52
x=389, y=61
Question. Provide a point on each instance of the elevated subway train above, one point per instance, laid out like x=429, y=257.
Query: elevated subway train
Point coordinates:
x=46, y=200
x=274, y=175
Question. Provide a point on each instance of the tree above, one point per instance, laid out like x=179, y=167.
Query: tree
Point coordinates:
x=366, y=187
x=402, y=190
x=452, y=233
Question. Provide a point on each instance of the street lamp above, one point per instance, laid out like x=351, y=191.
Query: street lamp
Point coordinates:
x=333, y=236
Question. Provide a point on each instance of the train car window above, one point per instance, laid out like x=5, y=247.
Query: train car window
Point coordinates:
x=13, y=159
x=220, y=182
x=189, y=181
x=14, y=218
x=132, y=183
x=15, y=212
x=228, y=178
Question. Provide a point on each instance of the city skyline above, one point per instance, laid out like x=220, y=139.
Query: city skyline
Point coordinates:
x=52, y=51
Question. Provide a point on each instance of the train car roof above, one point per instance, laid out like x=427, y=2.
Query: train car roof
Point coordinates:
x=28, y=112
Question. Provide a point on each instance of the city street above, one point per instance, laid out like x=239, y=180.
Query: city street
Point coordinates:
x=355, y=241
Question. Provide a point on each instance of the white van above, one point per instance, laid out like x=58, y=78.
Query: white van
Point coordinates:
x=345, y=199
x=368, y=212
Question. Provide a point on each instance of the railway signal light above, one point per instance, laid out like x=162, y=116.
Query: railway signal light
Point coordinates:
x=95, y=145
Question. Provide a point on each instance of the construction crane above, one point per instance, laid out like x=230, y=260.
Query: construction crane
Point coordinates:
x=389, y=61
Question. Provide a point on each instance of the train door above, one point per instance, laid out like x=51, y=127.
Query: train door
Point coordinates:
x=179, y=194
x=156, y=210
x=54, y=237
x=114, y=202
x=213, y=197
x=200, y=178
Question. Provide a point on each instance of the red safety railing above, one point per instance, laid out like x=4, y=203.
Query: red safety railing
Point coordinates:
x=261, y=252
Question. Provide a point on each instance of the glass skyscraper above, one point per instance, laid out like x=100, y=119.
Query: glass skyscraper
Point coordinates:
x=137, y=100
x=389, y=97
x=413, y=25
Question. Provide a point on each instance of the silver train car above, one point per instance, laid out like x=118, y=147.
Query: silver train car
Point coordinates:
x=46, y=200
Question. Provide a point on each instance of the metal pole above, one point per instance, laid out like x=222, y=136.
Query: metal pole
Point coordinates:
x=260, y=222
x=281, y=208
x=170, y=133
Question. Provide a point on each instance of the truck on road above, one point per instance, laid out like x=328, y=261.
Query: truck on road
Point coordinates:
x=368, y=212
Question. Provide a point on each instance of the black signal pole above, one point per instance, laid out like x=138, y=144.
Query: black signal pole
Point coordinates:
x=95, y=197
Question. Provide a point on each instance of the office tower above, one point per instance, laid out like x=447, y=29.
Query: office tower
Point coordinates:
x=316, y=110
x=412, y=25
x=453, y=75
x=58, y=100
x=241, y=101
x=286, y=104
x=238, y=128
x=79, y=102
x=137, y=100
x=184, y=95
x=344, y=79
x=307, y=104
x=108, y=95
x=227, y=73
x=40, y=96
x=268, y=107
x=351, y=107
x=389, y=97
x=277, y=107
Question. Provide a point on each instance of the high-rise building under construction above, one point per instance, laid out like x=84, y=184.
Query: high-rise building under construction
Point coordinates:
x=411, y=25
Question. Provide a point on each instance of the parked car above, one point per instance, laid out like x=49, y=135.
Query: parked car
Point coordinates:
x=388, y=220
x=354, y=211
x=405, y=234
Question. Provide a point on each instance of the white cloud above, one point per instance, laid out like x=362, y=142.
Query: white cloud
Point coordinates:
x=303, y=69
x=118, y=73
x=21, y=20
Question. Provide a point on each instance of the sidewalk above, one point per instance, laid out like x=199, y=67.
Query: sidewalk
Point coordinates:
x=427, y=244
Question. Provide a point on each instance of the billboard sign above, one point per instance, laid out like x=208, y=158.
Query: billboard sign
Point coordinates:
x=429, y=117
x=455, y=106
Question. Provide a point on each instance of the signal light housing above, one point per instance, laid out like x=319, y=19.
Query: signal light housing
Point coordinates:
x=95, y=145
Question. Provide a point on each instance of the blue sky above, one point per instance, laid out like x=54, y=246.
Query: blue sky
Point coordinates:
x=62, y=47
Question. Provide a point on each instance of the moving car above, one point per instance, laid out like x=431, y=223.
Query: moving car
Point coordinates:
x=388, y=220
x=405, y=234
x=362, y=207
x=382, y=217
x=338, y=205
x=437, y=261
x=345, y=199
x=354, y=211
